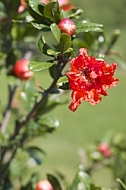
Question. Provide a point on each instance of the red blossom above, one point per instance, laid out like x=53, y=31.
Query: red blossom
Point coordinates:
x=89, y=78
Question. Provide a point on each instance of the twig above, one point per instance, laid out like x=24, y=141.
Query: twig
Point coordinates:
x=6, y=115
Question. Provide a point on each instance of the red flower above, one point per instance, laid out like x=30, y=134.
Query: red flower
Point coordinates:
x=89, y=78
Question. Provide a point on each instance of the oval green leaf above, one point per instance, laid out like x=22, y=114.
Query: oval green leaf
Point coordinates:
x=65, y=42
x=38, y=66
x=56, y=31
x=62, y=80
x=86, y=26
x=39, y=26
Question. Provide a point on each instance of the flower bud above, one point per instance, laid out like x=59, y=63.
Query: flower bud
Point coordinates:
x=44, y=185
x=104, y=149
x=67, y=26
x=21, y=69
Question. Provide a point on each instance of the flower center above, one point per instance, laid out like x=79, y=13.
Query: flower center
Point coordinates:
x=88, y=76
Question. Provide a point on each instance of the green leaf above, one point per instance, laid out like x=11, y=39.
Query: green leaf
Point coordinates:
x=65, y=42
x=35, y=152
x=62, y=80
x=51, y=52
x=41, y=6
x=31, y=182
x=81, y=178
x=36, y=158
x=54, y=181
x=93, y=187
x=34, y=5
x=36, y=128
x=39, y=26
x=45, y=48
x=34, y=148
x=52, y=11
x=86, y=26
x=52, y=103
x=63, y=83
x=38, y=66
x=34, y=10
x=28, y=94
x=121, y=183
x=77, y=42
x=75, y=13
x=56, y=31
x=49, y=121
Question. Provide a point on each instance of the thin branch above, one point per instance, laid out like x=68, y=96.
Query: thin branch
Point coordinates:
x=7, y=113
x=4, y=170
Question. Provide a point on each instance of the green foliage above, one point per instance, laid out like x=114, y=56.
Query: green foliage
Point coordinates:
x=34, y=153
x=53, y=180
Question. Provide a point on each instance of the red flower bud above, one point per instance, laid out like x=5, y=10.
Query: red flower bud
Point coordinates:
x=21, y=69
x=104, y=149
x=22, y=6
x=67, y=26
x=44, y=185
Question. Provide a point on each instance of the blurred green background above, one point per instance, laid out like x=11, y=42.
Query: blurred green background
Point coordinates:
x=89, y=123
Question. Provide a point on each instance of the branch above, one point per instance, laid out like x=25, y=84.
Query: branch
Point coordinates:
x=19, y=125
x=6, y=115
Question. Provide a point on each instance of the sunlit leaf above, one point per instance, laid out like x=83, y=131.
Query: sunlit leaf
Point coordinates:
x=81, y=179
x=39, y=26
x=86, y=26
x=63, y=83
x=49, y=121
x=62, y=80
x=33, y=10
x=75, y=13
x=56, y=31
x=38, y=66
x=28, y=95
